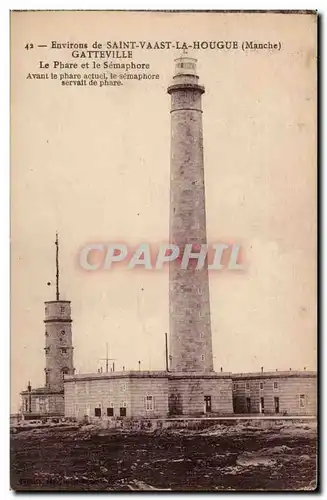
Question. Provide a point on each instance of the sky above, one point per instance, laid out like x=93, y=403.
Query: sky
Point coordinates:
x=93, y=164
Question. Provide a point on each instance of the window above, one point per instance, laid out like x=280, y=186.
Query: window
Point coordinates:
x=302, y=400
x=261, y=386
x=62, y=332
x=202, y=357
x=47, y=377
x=46, y=334
x=201, y=334
x=234, y=386
x=63, y=350
x=247, y=386
x=62, y=309
x=97, y=412
x=207, y=404
x=149, y=403
x=110, y=412
x=275, y=386
x=47, y=350
x=123, y=387
x=65, y=371
x=262, y=405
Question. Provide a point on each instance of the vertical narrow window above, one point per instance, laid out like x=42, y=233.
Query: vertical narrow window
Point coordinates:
x=262, y=405
x=47, y=377
x=302, y=400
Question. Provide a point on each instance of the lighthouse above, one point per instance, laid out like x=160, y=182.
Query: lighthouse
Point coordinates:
x=194, y=387
x=189, y=301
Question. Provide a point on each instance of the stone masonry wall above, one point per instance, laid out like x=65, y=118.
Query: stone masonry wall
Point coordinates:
x=190, y=330
x=58, y=344
x=189, y=395
x=288, y=391
x=83, y=396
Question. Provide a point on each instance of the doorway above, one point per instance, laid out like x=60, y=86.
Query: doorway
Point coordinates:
x=207, y=404
x=248, y=405
x=276, y=404
x=122, y=411
x=262, y=405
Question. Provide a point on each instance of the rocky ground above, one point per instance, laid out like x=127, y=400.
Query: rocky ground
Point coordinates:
x=238, y=457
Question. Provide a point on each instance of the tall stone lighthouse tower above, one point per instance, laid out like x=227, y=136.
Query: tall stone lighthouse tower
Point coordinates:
x=190, y=327
x=58, y=338
x=193, y=387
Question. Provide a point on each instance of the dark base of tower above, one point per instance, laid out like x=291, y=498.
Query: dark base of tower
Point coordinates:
x=199, y=394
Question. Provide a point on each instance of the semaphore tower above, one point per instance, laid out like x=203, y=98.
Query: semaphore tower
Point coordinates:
x=58, y=337
x=48, y=401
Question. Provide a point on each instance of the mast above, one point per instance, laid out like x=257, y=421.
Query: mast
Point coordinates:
x=107, y=358
x=57, y=268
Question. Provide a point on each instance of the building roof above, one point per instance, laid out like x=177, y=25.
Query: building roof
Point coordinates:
x=146, y=374
x=41, y=391
x=114, y=375
x=275, y=374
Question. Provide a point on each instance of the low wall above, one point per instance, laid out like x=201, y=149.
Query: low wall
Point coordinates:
x=152, y=424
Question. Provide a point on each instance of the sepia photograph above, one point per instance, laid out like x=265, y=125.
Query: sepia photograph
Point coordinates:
x=163, y=251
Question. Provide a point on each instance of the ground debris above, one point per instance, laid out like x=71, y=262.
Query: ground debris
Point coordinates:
x=140, y=485
x=214, y=459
